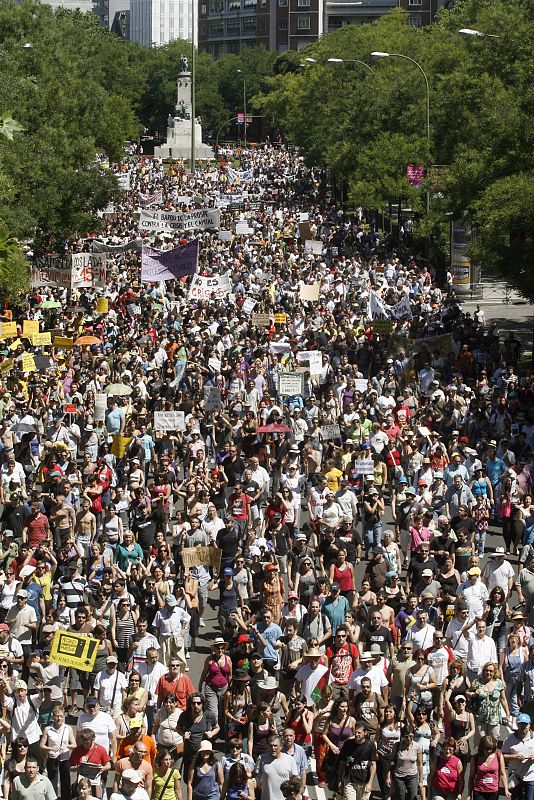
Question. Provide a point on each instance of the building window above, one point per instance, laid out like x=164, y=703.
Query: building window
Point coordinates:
x=303, y=3
x=249, y=3
x=234, y=5
x=233, y=26
x=216, y=26
x=303, y=23
x=262, y=25
x=282, y=24
x=249, y=24
x=203, y=10
x=415, y=2
x=415, y=20
x=282, y=2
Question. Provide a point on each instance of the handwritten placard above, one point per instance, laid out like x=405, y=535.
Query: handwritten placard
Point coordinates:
x=30, y=327
x=102, y=305
x=8, y=329
x=63, y=342
x=28, y=362
x=42, y=339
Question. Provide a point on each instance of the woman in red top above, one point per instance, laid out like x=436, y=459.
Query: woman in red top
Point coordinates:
x=446, y=777
x=343, y=573
x=487, y=771
x=300, y=720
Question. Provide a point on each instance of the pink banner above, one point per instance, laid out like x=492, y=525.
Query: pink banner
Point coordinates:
x=415, y=174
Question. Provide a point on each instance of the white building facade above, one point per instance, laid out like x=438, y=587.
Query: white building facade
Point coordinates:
x=156, y=22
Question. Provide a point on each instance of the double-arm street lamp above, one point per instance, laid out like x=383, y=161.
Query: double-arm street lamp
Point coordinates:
x=381, y=54
x=244, y=106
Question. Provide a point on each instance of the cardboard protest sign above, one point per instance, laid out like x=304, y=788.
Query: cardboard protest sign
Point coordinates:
x=290, y=383
x=8, y=329
x=280, y=319
x=201, y=556
x=309, y=292
x=364, y=466
x=102, y=305
x=260, y=320
x=330, y=431
x=101, y=404
x=212, y=398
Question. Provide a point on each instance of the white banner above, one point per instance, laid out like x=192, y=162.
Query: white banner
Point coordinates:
x=290, y=383
x=200, y=219
x=364, y=466
x=123, y=180
x=169, y=421
x=101, y=404
x=88, y=269
x=402, y=310
x=214, y=288
x=248, y=305
x=360, y=384
x=376, y=309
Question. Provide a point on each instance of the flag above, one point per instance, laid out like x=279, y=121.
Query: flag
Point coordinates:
x=166, y=265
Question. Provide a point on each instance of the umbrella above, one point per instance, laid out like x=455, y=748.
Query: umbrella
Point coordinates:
x=87, y=340
x=118, y=389
x=50, y=304
x=23, y=427
x=273, y=427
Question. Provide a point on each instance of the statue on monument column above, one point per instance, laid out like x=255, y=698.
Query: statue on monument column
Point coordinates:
x=184, y=63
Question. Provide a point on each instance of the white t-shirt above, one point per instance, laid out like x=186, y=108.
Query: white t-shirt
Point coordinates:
x=102, y=724
x=108, y=695
x=273, y=772
x=498, y=575
x=376, y=676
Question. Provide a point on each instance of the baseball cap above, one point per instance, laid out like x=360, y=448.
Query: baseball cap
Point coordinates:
x=523, y=719
x=135, y=723
x=474, y=571
x=132, y=775
x=112, y=659
x=228, y=571
x=91, y=702
x=427, y=573
x=22, y=593
x=170, y=600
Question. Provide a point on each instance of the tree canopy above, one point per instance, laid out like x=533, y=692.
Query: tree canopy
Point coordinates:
x=366, y=128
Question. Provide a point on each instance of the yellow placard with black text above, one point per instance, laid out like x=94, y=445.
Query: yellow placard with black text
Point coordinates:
x=41, y=339
x=30, y=328
x=28, y=363
x=65, y=342
x=102, y=305
x=74, y=650
x=8, y=329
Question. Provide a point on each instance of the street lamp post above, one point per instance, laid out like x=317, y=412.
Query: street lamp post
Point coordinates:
x=193, y=87
x=473, y=32
x=350, y=61
x=244, y=106
x=380, y=54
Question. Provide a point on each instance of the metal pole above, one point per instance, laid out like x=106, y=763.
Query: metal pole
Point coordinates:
x=423, y=73
x=245, y=108
x=193, y=87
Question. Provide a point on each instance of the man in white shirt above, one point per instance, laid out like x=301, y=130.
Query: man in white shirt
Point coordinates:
x=473, y=592
x=151, y=672
x=518, y=753
x=110, y=686
x=259, y=475
x=273, y=768
x=101, y=723
x=422, y=633
x=172, y=623
x=480, y=650
x=375, y=673
x=459, y=631
x=499, y=572
x=24, y=715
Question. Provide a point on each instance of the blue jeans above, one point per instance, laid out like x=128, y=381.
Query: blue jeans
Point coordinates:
x=372, y=534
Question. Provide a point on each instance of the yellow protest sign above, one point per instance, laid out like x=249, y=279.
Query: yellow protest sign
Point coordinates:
x=201, y=555
x=30, y=327
x=120, y=445
x=102, y=305
x=41, y=339
x=280, y=319
x=15, y=344
x=65, y=342
x=8, y=329
x=6, y=365
x=28, y=362
x=74, y=650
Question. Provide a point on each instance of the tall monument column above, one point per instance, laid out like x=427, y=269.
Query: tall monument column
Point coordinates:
x=178, y=143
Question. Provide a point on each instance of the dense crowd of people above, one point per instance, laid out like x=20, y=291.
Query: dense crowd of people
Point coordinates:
x=328, y=482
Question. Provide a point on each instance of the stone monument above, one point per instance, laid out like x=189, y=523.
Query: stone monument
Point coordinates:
x=178, y=140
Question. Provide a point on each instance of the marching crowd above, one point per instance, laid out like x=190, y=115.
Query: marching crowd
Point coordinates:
x=320, y=455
